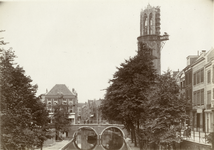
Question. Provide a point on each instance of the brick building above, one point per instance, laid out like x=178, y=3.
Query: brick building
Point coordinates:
x=60, y=94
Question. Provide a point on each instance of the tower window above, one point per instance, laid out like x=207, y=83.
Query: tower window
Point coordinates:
x=145, y=24
x=150, y=23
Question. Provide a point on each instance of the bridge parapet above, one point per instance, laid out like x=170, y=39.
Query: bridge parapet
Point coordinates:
x=98, y=128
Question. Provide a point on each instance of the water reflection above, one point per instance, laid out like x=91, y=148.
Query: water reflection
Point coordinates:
x=85, y=139
x=112, y=138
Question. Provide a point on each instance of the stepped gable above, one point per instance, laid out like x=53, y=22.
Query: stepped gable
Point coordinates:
x=60, y=88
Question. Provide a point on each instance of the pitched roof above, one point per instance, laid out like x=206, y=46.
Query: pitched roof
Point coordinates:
x=60, y=89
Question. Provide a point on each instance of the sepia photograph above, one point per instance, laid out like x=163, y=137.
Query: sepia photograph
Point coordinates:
x=107, y=74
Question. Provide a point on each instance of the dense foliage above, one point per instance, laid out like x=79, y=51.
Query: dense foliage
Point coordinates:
x=146, y=103
x=60, y=120
x=166, y=112
x=22, y=113
x=126, y=96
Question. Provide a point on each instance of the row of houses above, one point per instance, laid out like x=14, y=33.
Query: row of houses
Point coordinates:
x=196, y=82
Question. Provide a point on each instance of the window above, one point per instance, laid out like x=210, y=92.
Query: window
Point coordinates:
x=194, y=78
x=187, y=94
x=145, y=24
x=49, y=101
x=70, y=102
x=198, y=98
x=55, y=102
x=195, y=99
x=208, y=77
x=150, y=23
x=213, y=75
x=202, y=75
x=209, y=97
x=190, y=77
x=202, y=96
x=64, y=101
x=213, y=93
x=199, y=76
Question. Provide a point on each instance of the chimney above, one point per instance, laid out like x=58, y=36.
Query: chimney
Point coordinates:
x=203, y=51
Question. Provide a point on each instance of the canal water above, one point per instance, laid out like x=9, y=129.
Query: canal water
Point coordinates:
x=87, y=139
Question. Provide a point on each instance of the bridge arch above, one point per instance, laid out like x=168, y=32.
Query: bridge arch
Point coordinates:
x=113, y=127
x=86, y=127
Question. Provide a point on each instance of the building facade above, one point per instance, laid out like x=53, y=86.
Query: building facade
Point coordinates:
x=91, y=113
x=60, y=94
x=150, y=34
x=198, y=92
x=196, y=82
x=79, y=112
x=209, y=91
x=189, y=86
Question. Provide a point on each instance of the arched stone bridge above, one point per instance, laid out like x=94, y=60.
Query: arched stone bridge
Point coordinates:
x=98, y=128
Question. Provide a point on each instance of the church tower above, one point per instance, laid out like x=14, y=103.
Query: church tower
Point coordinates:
x=150, y=33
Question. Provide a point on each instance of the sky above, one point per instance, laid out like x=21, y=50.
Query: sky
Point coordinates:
x=80, y=42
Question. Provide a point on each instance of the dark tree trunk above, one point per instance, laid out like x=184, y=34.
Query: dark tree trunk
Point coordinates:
x=135, y=139
x=56, y=135
x=132, y=135
x=42, y=144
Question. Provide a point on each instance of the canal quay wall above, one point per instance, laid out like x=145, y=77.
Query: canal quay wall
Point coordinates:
x=184, y=145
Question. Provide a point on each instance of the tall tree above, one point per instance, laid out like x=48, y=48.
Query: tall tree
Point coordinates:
x=43, y=130
x=126, y=97
x=166, y=112
x=60, y=119
x=19, y=114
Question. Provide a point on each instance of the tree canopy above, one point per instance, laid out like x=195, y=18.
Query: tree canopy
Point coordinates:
x=21, y=111
x=166, y=112
x=60, y=119
x=127, y=94
x=146, y=103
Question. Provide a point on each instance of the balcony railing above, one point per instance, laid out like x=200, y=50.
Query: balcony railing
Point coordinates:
x=195, y=135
